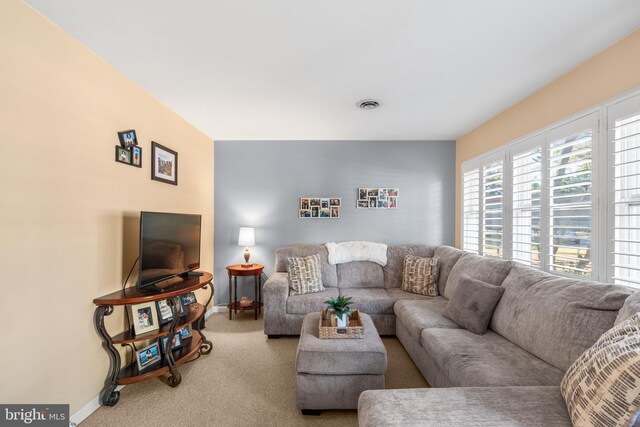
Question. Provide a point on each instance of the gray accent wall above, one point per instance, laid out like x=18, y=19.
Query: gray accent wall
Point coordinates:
x=259, y=184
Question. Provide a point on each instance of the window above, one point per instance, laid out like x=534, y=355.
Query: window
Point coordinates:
x=624, y=218
x=471, y=211
x=526, y=190
x=492, y=209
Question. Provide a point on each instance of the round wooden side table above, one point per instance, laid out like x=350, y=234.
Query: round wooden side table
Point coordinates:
x=236, y=270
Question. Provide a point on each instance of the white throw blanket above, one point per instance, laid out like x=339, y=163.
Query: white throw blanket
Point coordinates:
x=340, y=253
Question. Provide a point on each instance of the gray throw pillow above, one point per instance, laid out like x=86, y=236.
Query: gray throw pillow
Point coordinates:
x=472, y=304
x=305, y=275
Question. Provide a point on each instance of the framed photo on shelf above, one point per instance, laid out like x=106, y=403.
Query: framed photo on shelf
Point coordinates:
x=186, y=332
x=148, y=356
x=123, y=155
x=164, y=164
x=128, y=138
x=144, y=317
x=164, y=312
x=136, y=156
x=188, y=298
x=176, y=342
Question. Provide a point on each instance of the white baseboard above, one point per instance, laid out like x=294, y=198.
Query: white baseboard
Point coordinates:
x=87, y=410
x=94, y=404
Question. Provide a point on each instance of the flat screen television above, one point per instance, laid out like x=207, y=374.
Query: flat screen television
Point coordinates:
x=169, y=247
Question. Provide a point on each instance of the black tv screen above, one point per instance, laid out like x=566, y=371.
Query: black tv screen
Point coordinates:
x=169, y=246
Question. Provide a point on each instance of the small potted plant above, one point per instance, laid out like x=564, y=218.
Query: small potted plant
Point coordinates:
x=340, y=307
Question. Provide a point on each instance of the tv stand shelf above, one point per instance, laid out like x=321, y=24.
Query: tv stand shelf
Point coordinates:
x=192, y=348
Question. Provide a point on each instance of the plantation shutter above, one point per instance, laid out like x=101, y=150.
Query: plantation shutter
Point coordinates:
x=526, y=203
x=471, y=210
x=570, y=156
x=624, y=158
x=492, y=209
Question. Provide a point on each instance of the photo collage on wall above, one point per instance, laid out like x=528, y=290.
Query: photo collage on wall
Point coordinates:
x=128, y=152
x=319, y=207
x=378, y=198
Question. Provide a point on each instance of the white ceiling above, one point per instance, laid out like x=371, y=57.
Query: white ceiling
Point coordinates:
x=294, y=69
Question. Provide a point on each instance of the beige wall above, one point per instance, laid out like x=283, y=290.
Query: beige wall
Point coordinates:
x=612, y=72
x=68, y=211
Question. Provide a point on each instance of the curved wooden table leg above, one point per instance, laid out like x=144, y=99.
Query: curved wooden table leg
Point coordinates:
x=108, y=396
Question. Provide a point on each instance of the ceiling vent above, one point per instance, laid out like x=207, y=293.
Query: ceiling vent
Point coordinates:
x=368, y=104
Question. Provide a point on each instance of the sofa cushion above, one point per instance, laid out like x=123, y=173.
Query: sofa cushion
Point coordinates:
x=305, y=276
x=602, y=387
x=329, y=275
x=360, y=274
x=420, y=275
x=630, y=307
x=464, y=406
x=471, y=360
x=473, y=303
x=370, y=301
x=398, y=294
x=447, y=258
x=308, y=303
x=417, y=315
x=487, y=269
x=395, y=262
x=572, y=313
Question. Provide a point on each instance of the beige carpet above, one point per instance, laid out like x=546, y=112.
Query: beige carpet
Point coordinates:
x=246, y=380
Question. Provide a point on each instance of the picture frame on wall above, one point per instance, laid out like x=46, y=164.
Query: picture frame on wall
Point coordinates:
x=128, y=138
x=123, y=155
x=378, y=198
x=136, y=156
x=319, y=207
x=164, y=164
x=148, y=356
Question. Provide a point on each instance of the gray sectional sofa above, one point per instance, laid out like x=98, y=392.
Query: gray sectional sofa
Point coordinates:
x=509, y=376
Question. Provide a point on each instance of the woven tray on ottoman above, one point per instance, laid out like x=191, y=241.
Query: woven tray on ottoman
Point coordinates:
x=331, y=374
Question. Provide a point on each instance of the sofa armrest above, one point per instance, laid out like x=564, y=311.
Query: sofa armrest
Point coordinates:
x=275, y=292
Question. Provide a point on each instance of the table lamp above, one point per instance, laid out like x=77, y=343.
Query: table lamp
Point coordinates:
x=246, y=238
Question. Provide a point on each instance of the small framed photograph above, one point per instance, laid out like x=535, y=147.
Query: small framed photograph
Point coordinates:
x=176, y=342
x=123, y=155
x=335, y=212
x=315, y=212
x=164, y=164
x=373, y=202
x=148, y=356
x=393, y=202
x=394, y=192
x=144, y=317
x=304, y=203
x=185, y=332
x=164, y=312
x=314, y=202
x=324, y=203
x=182, y=311
x=383, y=193
x=372, y=192
x=363, y=204
x=305, y=213
x=334, y=202
x=128, y=138
x=136, y=156
x=382, y=204
x=325, y=213
x=362, y=194
x=189, y=298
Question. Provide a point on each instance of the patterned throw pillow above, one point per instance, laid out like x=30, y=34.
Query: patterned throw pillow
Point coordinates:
x=420, y=275
x=602, y=387
x=305, y=275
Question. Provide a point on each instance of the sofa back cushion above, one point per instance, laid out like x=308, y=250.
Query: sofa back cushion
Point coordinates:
x=329, y=274
x=555, y=318
x=631, y=306
x=447, y=258
x=395, y=262
x=486, y=269
x=360, y=274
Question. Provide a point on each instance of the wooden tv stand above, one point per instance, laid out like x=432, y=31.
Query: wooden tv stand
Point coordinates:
x=192, y=348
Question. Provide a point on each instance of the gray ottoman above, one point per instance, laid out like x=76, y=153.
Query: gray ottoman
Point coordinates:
x=331, y=373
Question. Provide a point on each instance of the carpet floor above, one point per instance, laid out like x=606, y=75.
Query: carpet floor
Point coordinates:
x=246, y=380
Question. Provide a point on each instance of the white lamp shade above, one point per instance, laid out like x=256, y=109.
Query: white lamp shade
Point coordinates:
x=247, y=236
